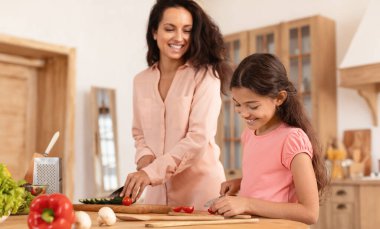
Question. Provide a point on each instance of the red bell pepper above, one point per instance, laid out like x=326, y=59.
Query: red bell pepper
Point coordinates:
x=53, y=211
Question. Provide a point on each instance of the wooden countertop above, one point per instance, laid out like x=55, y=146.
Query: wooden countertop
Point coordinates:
x=20, y=222
x=363, y=181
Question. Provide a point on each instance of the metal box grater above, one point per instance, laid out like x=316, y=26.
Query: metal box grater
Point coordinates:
x=47, y=171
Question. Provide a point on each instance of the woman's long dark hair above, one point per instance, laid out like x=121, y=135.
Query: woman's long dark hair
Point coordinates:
x=206, y=42
x=264, y=74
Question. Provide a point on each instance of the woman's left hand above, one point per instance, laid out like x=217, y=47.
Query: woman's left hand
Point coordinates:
x=230, y=206
x=135, y=184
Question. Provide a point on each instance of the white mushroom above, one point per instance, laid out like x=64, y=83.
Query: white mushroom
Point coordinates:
x=106, y=216
x=82, y=220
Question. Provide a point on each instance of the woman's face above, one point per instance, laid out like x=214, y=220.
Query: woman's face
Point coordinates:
x=173, y=33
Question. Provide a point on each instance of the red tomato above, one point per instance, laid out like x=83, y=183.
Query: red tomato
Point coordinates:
x=188, y=209
x=127, y=201
x=177, y=209
x=211, y=211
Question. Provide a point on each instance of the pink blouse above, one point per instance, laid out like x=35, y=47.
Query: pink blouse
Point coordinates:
x=267, y=160
x=182, y=127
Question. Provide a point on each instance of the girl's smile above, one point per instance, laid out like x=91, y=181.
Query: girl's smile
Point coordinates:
x=259, y=112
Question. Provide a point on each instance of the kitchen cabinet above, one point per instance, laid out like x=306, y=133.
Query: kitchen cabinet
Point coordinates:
x=306, y=47
x=351, y=204
x=37, y=92
x=230, y=125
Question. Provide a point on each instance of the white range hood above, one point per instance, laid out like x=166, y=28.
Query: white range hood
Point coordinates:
x=360, y=68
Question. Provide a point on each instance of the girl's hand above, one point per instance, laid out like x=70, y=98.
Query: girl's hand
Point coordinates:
x=230, y=188
x=144, y=162
x=135, y=185
x=230, y=206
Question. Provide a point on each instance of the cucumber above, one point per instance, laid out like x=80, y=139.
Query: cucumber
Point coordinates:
x=114, y=200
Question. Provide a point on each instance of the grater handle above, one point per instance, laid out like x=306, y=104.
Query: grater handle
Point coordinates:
x=51, y=143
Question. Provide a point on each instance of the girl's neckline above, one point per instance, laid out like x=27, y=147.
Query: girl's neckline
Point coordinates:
x=282, y=124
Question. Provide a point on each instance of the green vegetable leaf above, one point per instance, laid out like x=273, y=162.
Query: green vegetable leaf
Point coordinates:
x=12, y=196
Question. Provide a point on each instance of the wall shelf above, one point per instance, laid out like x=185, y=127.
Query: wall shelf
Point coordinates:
x=366, y=80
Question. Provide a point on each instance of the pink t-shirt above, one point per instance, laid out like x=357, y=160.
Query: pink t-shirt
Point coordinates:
x=266, y=163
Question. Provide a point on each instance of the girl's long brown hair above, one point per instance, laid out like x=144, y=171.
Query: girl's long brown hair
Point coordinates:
x=206, y=41
x=264, y=74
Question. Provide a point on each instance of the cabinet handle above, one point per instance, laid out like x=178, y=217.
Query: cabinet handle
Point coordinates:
x=341, y=193
x=341, y=207
x=231, y=172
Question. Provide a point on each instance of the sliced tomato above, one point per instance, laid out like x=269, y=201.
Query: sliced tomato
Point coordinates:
x=211, y=211
x=127, y=201
x=188, y=209
x=177, y=209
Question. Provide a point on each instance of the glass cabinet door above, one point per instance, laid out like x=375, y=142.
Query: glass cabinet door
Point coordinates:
x=300, y=64
x=230, y=125
x=265, y=40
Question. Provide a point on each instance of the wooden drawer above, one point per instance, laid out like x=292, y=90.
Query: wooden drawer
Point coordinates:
x=343, y=215
x=340, y=193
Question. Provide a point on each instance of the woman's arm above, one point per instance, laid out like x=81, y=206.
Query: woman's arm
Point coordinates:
x=306, y=210
x=203, y=118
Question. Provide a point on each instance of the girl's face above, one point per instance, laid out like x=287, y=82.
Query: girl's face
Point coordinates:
x=173, y=33
x=259, y=112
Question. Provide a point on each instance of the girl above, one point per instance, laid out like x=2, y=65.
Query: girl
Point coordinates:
x=176, y=103
x=283, y=173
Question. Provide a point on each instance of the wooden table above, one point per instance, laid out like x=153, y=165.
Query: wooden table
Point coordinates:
x=19, y=222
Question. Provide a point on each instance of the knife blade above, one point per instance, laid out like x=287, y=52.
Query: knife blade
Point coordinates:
x=116, y=192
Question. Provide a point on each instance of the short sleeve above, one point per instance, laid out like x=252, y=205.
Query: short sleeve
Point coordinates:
x=296, y=142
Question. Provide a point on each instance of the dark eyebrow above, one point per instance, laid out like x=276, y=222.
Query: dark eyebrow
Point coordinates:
x=245, y=102
x=170, y=24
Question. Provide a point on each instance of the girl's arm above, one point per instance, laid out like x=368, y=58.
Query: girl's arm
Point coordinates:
x=306, y=210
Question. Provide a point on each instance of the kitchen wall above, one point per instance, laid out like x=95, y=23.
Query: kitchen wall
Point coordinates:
x=110, y=40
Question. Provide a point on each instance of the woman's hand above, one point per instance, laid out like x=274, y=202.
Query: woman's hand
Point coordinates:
x=230, y=206
x=135, y=185
x=144, y=162
x=230, y=188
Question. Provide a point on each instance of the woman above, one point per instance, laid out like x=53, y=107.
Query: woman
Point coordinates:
x=176, y=104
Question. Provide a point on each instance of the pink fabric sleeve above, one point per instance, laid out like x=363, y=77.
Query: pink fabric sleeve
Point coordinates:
x=296, y=142
x=205, y=108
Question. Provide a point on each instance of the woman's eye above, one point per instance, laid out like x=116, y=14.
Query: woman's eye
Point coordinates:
x=187, y=31
x=253, y=108
x=236, y=105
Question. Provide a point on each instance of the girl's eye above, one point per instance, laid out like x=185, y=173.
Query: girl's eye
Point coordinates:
x=253, y=108
x=187, y=31
x=236, y=105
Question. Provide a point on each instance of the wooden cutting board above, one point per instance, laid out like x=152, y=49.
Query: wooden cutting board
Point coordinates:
x=132, y=209
x=161, y=217
x=359, y=140
x=200, y=213
x=209, y=222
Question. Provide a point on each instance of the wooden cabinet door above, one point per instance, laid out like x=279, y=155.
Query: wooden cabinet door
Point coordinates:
x=17, y=117
x=265, y=40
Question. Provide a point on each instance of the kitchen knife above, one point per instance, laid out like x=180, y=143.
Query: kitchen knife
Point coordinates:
x=116, y=192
